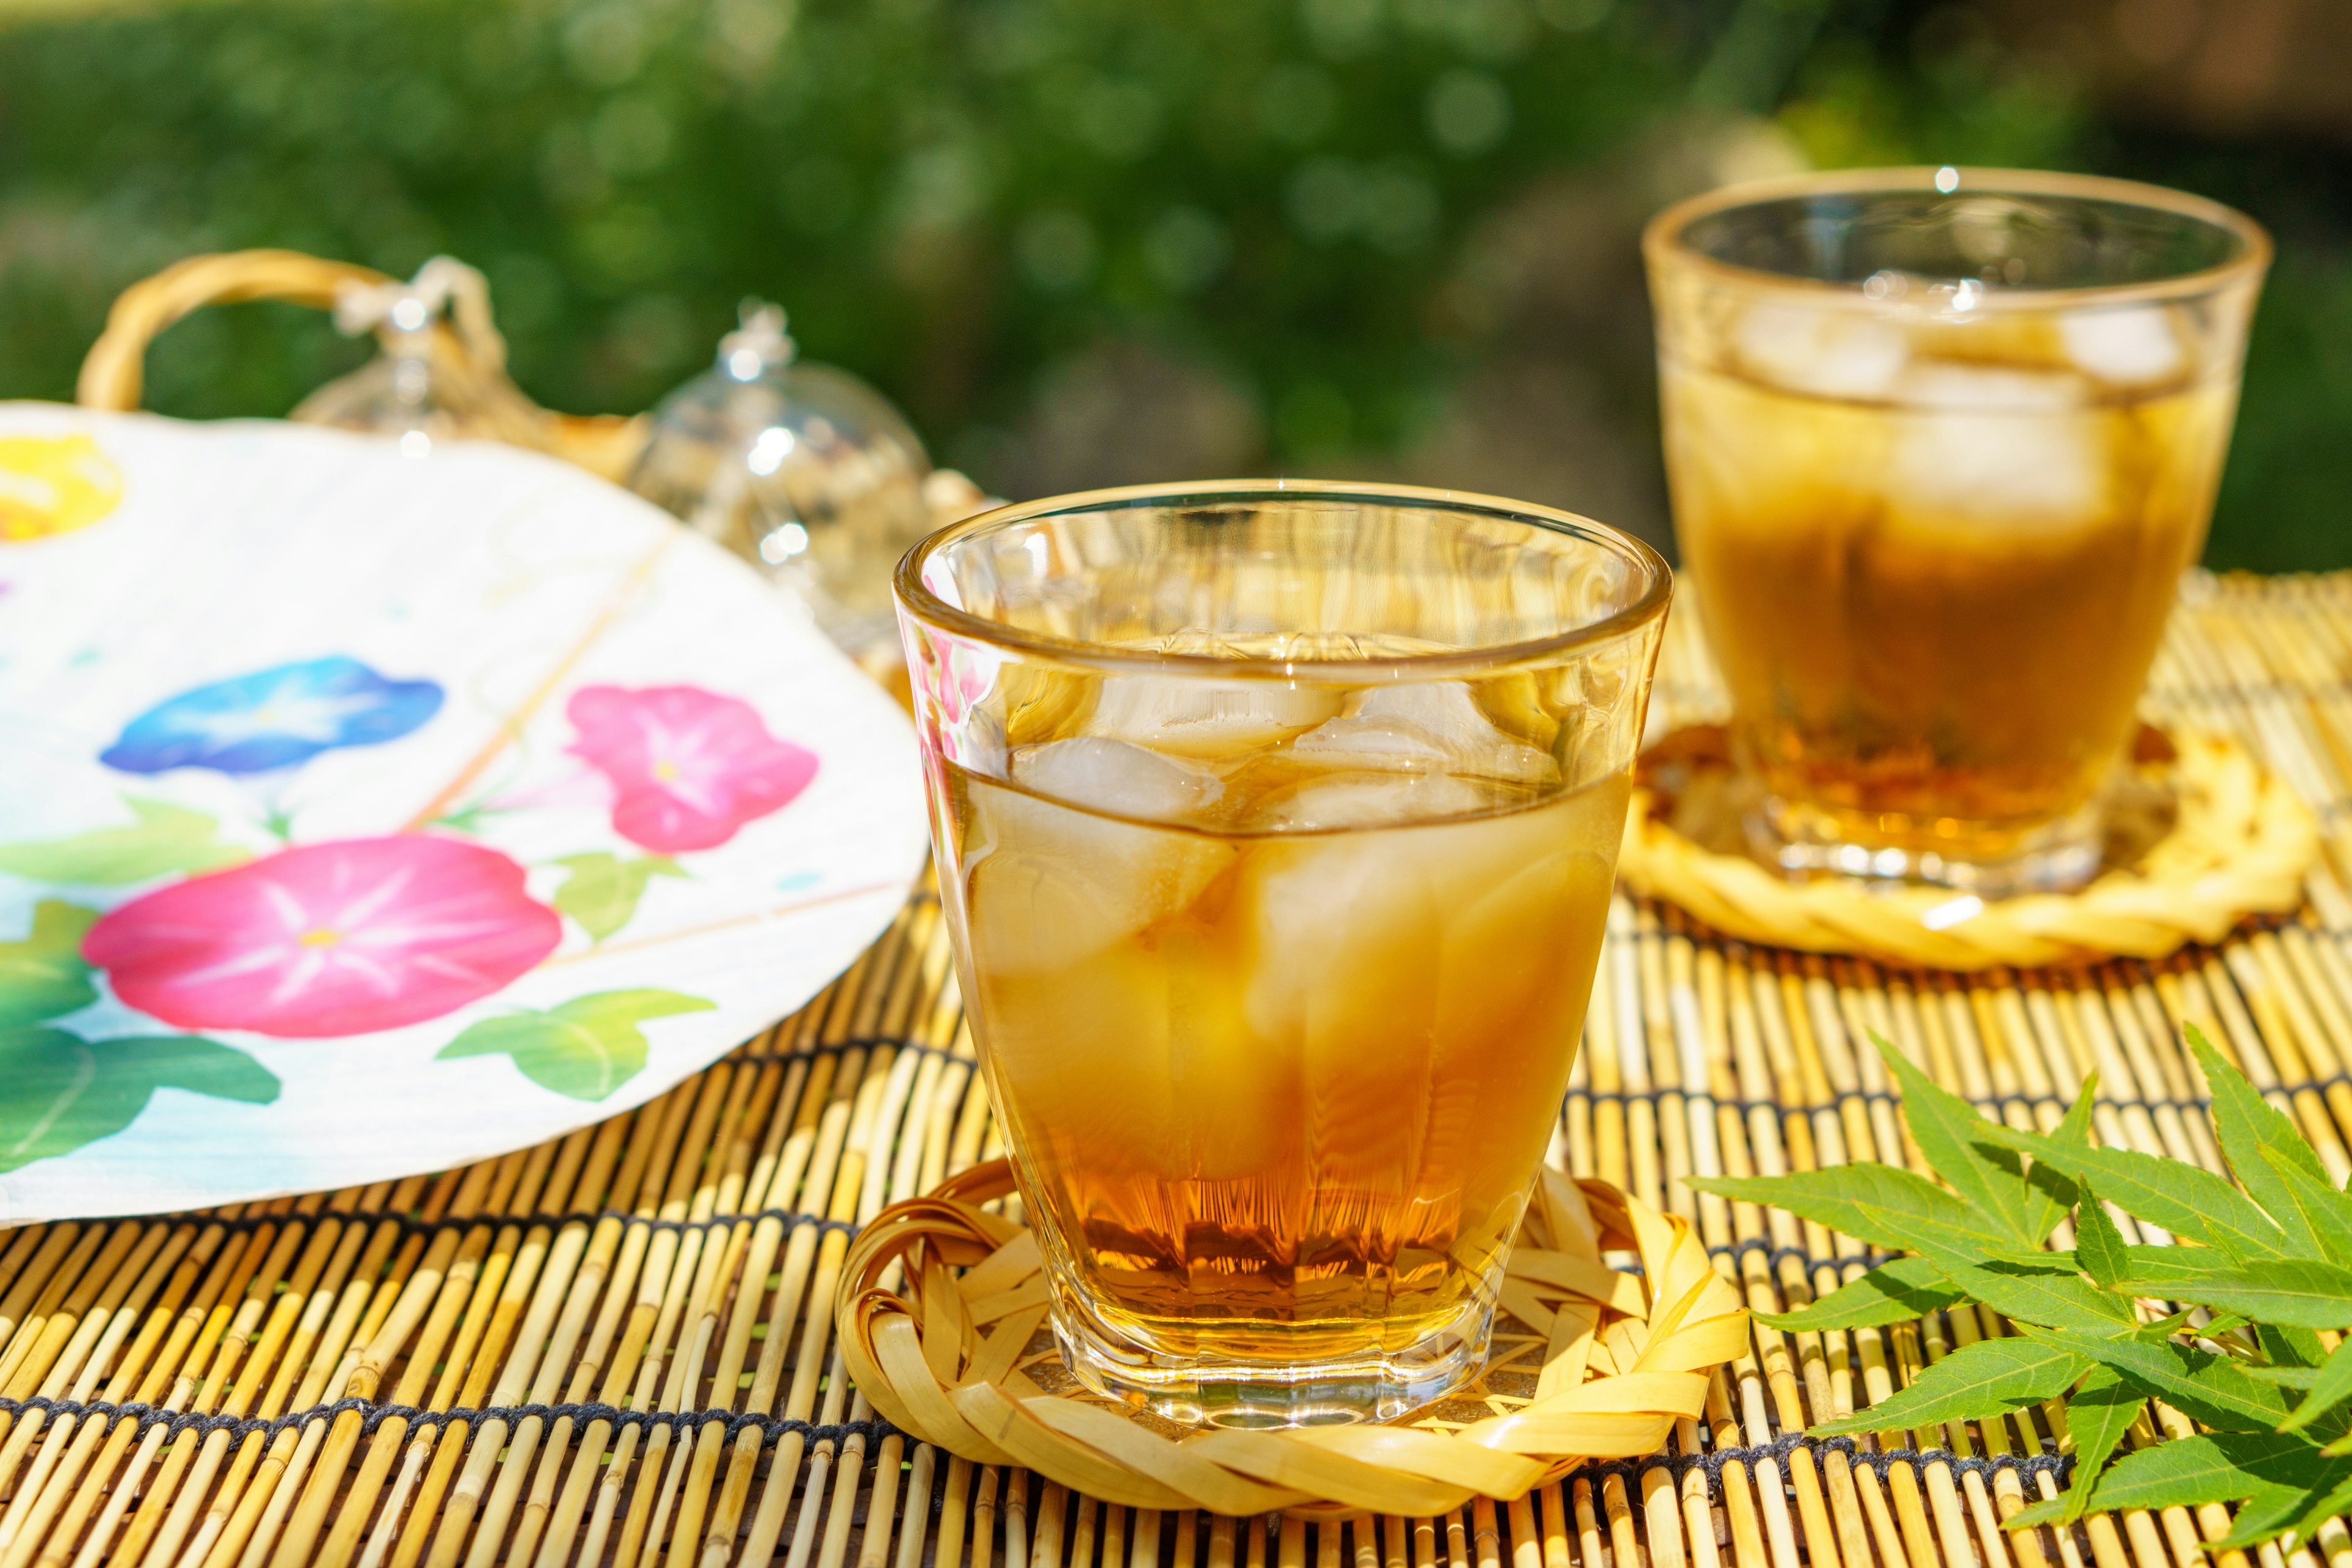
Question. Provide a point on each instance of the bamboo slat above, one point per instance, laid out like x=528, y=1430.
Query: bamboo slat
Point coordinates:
x=616, y=1348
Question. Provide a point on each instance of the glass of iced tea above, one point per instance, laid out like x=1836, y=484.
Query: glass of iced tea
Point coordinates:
x=1275, y=823
x=1941, y=443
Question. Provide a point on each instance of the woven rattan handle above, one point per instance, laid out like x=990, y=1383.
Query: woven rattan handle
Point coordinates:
x=113, y=373
x=473, y=356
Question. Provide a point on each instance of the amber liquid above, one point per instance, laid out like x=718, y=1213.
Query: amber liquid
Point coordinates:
x=1935, y=620
x=1277, y=1091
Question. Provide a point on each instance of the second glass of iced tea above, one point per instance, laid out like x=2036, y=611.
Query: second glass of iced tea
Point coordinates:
x=1941, y=444
x=1276, y=824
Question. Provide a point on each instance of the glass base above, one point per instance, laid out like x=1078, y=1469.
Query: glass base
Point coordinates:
x=1205, y=1391
x=2055, y=857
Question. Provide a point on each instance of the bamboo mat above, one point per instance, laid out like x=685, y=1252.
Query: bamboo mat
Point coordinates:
x=616, y=1347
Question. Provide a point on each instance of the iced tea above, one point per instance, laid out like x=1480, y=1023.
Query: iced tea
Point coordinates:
x=1277, y=979
x=1935, y=530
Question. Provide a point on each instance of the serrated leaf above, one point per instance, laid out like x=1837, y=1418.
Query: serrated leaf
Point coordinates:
x=44, y=976
x=2098, y=1414
x=2208, y=1468
x=2330, y=1388
x=165, y=839
x=2206, y=1386
x=2248, y=1126
x=2098, y=1245
x=2326, y=1210
x=1978, y=1381
x=2052, y=1298
x=602, y=891
x=1945, y=1127
x=2183, y=1198
x=59, y=1091
x=2055, y=1192
x=2152, y=1270
x=2290, y=1292
x=586, y=1048
x=1883, y=1204
x=1894, y=1292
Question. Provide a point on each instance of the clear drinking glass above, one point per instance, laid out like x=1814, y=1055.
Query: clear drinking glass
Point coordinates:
x=1941, y=443
x=1276, y=824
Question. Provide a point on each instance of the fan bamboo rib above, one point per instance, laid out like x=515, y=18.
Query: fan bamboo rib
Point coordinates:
x=618, y=1347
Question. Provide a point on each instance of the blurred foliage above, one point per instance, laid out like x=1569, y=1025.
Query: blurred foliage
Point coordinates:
x=1295, y=233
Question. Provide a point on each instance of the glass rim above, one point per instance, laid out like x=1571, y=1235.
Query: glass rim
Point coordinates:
x=1662, y=238
x=925, y=607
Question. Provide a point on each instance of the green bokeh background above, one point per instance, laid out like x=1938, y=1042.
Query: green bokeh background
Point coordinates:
x=1083, y=241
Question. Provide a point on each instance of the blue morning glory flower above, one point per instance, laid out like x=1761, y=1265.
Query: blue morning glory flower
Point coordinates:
x=273, y=719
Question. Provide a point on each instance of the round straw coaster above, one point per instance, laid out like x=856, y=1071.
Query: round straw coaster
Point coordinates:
x=2199, y=837
x=941, y=1312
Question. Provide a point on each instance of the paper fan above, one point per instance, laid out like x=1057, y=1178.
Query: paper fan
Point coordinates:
x=361, y=814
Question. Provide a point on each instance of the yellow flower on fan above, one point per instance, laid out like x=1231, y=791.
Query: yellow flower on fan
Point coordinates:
x=54, y=484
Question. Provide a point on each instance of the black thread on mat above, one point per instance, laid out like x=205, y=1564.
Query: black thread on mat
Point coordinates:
x=1871, y=1258
x=1711, y=1462
x=771, y=1428
x=1886, y=1097
x=246, y=1225
x=843, y=1048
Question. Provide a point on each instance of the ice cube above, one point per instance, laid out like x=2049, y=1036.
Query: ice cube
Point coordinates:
x=2129, y=347
x=1051, y=885
x=1425, y=726
x=1383, y=955
x=1367, y=800
x=1829, y=352
x=1197, y=718
x=1984, y=446
x=1118, y=777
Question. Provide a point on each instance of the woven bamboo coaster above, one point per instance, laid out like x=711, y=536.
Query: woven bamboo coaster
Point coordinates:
x=2202, y=836
x=1605, y=1363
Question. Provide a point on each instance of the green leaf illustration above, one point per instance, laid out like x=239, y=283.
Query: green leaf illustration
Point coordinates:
x=602, y=890
x=586, y=1048
x=166, y=838
x=1972, y=1383
x=2249, y=1126
x=59, y=1091
x=1894, y=1292
x=42, y=976
x=2101, y=1410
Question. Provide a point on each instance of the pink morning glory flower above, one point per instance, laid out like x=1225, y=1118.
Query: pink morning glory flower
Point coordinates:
x=342, y=938
x=688, y=767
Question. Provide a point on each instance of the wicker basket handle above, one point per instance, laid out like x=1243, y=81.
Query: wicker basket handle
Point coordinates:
x=113, y=372
x=466, y=345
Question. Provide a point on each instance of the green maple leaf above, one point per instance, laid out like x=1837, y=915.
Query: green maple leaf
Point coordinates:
x=2187, y=1472
x=2183, y=1199
x=586, y=1048
x=1895, y=1292
x=165, y=839
x=2098, y=1415
x=2251, y=1131
x=2330, y=1388
x=1974, y=1382
x=1990, y=1179
x=2098, y=1246
x=44, y=976
x=602, y=891
x=59, y=1091
x=1883, y=1204
x=2209, y=1388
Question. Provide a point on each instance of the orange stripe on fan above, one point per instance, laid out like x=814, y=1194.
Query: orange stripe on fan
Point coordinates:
x=772, y=912
x=511, y=727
